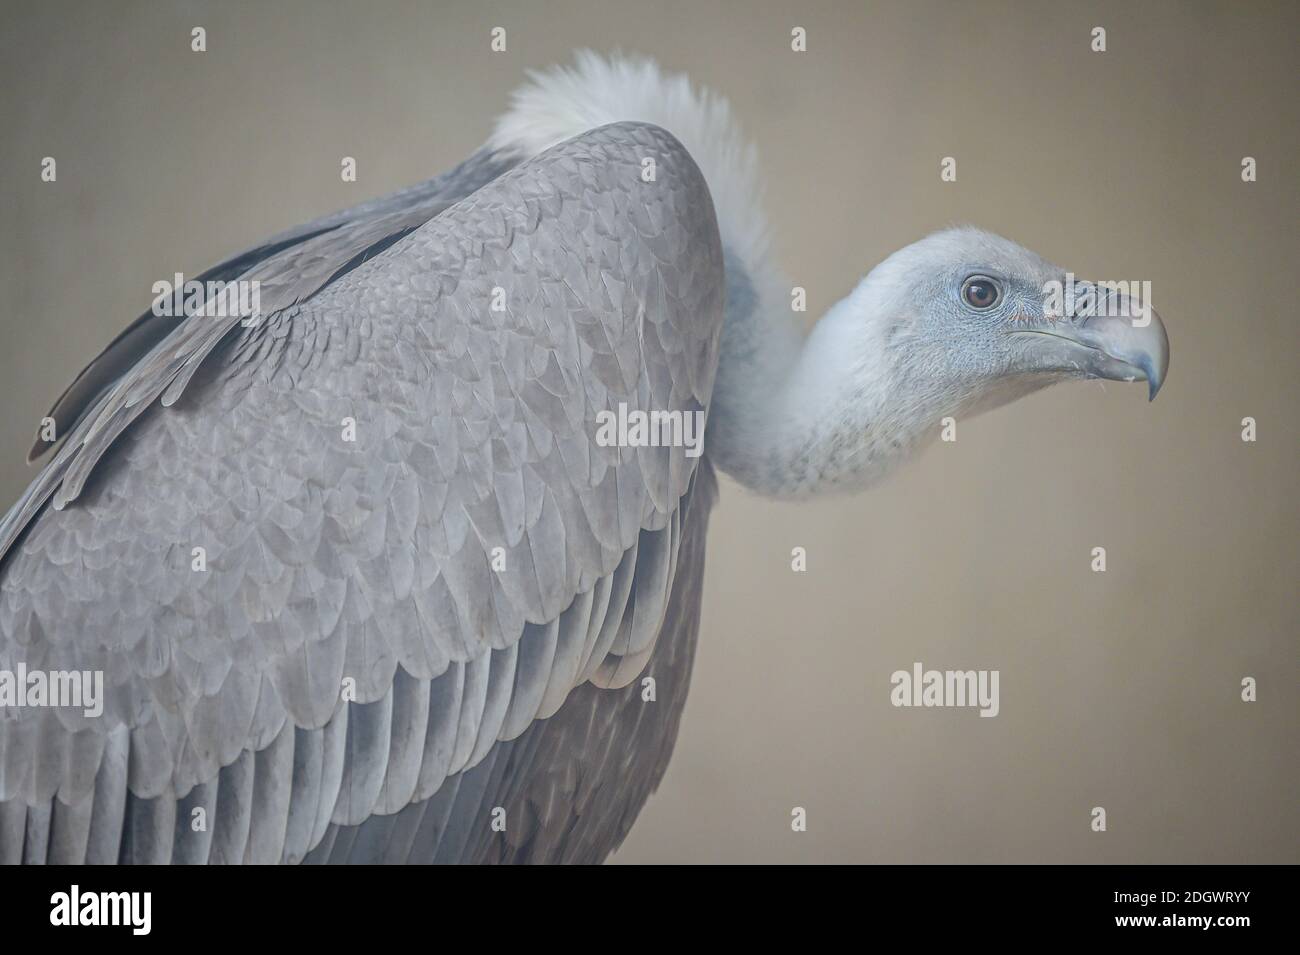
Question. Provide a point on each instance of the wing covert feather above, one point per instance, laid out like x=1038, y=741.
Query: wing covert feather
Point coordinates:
x=389, y=480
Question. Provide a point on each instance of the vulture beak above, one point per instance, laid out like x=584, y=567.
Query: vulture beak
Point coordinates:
x=1126, y=343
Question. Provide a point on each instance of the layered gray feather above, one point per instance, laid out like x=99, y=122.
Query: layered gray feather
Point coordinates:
x=464, y=564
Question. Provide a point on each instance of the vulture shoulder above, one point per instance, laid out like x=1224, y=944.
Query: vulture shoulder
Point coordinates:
x=331, y=562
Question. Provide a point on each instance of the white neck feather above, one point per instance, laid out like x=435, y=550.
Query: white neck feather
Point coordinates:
x=832, y=413
x=789, y=417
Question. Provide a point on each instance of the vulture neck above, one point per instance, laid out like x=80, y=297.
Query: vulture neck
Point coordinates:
x=794, y=417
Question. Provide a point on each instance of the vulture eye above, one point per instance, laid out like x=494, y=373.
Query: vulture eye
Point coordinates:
x=980, y=292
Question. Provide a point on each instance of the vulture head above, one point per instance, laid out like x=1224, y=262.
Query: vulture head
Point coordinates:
x=985, y=320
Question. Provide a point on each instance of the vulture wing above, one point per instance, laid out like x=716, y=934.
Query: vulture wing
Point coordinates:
x=363, y=583
x=291, y=267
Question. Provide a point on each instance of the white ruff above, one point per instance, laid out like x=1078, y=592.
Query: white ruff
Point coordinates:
x=563, y=102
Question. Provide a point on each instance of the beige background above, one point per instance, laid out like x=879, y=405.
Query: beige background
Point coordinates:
x=1119, y=689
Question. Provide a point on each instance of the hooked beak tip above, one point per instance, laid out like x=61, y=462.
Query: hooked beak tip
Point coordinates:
x=1113, y=346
